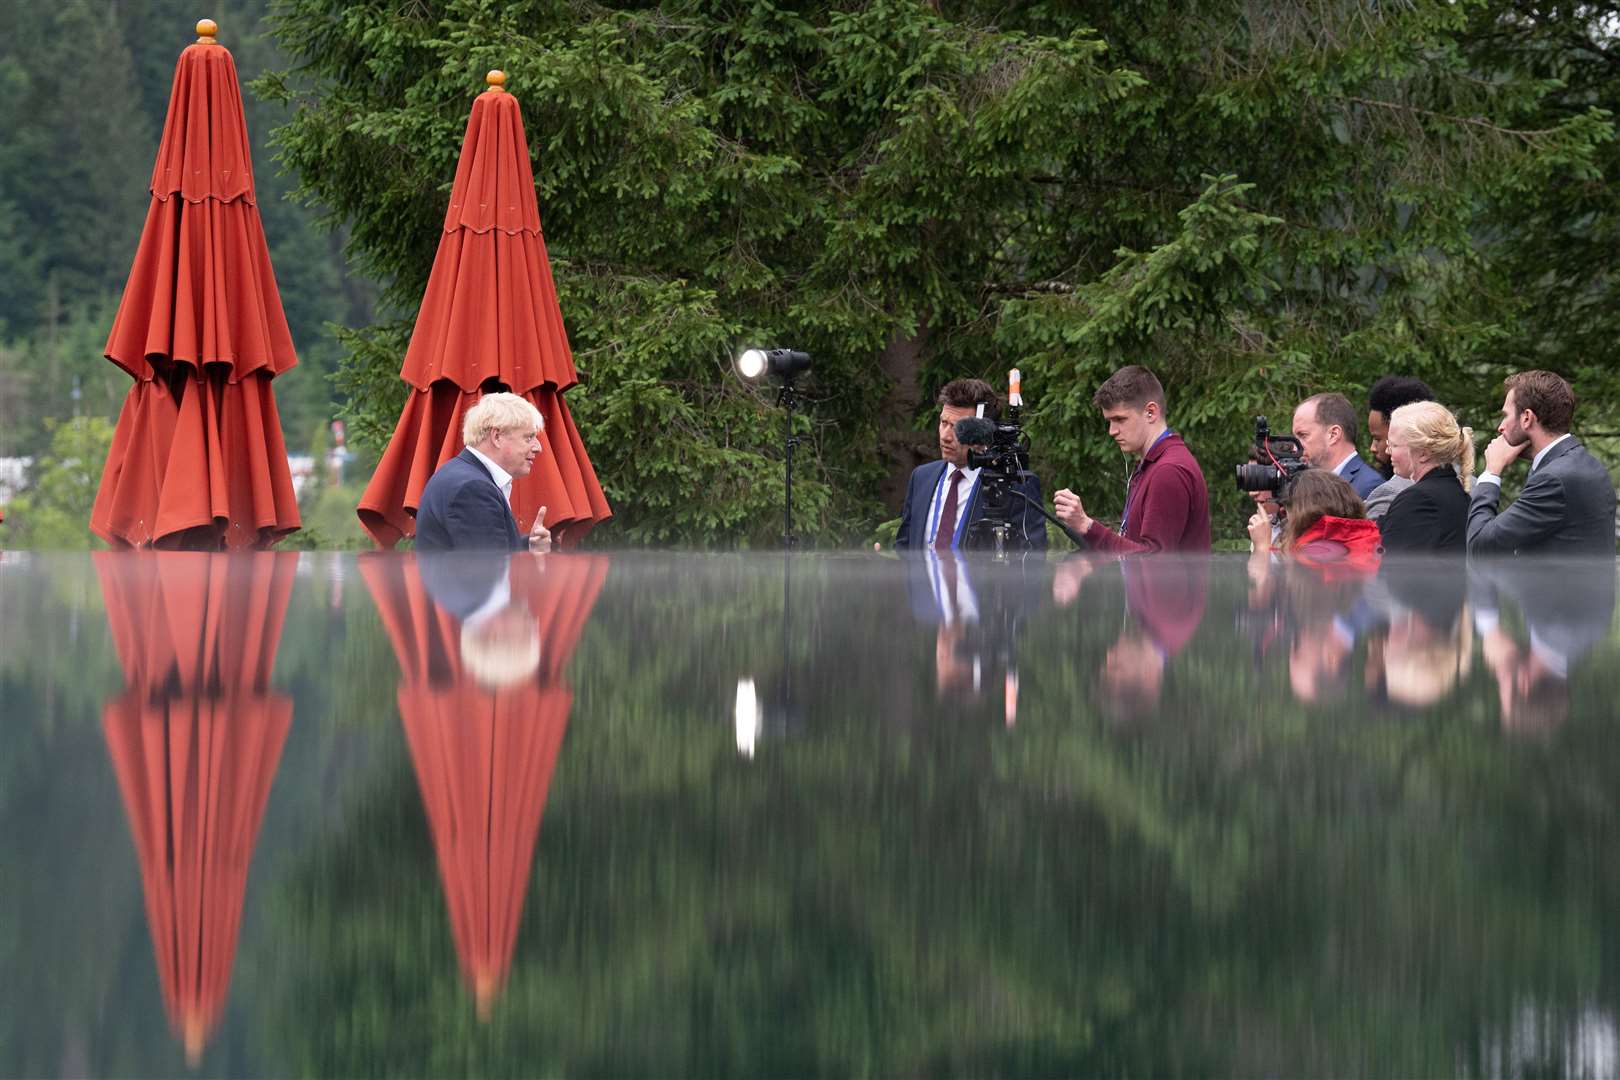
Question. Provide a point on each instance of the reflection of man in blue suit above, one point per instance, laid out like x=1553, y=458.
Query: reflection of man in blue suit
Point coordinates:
x=1325, y=426
x=943, y=497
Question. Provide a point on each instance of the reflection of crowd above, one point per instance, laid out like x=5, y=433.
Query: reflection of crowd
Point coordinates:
x=1415, y=626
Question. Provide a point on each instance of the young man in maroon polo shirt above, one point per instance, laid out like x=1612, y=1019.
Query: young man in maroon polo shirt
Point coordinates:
x=1166, y=500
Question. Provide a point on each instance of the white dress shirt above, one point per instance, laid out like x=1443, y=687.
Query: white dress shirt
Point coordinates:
x=503, y=479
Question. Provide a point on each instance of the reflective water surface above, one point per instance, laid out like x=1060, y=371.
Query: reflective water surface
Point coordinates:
x=679, y=814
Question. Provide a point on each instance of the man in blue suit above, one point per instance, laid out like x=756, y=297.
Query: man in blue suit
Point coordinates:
x=1325, y=426
x=467, y=504
x=943, y=497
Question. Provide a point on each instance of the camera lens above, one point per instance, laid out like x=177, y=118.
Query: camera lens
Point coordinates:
x=1255, y=477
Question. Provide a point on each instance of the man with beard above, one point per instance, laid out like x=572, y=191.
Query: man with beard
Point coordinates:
x=1567, y=505
x=1385, y=396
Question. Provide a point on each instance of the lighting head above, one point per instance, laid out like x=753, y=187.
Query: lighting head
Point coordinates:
x=785, y=364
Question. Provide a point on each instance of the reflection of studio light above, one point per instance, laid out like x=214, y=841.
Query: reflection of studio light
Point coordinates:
x=748, y=717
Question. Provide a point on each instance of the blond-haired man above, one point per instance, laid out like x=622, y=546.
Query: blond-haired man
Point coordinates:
x=467, y=504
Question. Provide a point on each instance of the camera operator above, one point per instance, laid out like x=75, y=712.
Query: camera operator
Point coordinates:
x=943, y=497
x=1166, y=500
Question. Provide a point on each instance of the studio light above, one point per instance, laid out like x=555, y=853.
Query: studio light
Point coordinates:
x=785, y=364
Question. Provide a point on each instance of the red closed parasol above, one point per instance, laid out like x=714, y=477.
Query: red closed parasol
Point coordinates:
x=197, y=459
x=485, y=722
x=195, y=738
x=489, y=321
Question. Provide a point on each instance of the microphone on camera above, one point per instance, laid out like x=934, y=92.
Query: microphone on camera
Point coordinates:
x=975, y=431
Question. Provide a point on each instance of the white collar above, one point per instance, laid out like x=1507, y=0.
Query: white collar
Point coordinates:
x=970, y=475
x=1338, y=470
x=1535, y=461
x=503, y=479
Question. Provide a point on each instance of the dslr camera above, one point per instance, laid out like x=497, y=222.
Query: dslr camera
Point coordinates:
x=1281, y=459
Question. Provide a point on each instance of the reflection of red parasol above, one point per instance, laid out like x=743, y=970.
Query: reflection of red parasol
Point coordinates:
x=489, y=319
x=197, y=460
x=195, y=738
x=484, y=755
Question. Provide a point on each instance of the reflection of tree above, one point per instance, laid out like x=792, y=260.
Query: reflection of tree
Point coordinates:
x=1238, y=884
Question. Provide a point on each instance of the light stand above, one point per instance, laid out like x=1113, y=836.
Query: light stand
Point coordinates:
x=787, y=365
x=787, y=398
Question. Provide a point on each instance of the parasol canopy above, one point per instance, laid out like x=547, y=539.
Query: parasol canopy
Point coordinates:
x=489, y=320
x=197, y=459
x=485, y=718
x=195, y=738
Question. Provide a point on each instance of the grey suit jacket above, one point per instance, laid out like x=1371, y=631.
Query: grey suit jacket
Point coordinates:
x=1566, y=508
x=1378, y=503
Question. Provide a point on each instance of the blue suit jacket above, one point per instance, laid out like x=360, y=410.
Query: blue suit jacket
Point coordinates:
x=463, y=510
x=1362, y=476
x=1029, y=528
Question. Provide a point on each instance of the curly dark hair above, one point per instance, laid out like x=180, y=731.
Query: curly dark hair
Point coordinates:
x=1393, y=391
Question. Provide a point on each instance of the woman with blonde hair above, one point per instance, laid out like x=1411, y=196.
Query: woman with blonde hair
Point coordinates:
x=1429, y=447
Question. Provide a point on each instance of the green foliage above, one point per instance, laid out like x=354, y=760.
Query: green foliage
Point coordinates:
x=55, y=510
x=915, y=191
x=54, y=373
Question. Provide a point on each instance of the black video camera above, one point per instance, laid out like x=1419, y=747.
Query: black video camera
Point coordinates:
x=1000, y=450
x=1281, y=459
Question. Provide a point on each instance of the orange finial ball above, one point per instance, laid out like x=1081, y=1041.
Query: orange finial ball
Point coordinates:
x=206, y=29
x=496, y=80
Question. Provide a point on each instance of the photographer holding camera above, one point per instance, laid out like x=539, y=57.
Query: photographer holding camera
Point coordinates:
x=1166, y=500
x=955, y=503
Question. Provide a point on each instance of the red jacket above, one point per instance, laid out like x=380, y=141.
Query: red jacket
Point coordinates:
x=1166, y=505
x=1352, y=544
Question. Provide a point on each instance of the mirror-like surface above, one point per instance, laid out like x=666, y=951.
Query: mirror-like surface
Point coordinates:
x=651, y=815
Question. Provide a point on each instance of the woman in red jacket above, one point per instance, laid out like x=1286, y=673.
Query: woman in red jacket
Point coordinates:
x=1327, y=524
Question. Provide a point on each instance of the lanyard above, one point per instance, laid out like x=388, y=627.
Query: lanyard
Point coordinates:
x=938, y=507
x=1126, y=520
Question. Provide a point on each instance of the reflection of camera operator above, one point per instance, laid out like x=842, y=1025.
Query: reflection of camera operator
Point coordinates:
x=1166, y=500
x=944, y=498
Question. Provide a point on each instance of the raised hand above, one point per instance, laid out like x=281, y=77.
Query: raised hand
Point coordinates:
x=540, y=536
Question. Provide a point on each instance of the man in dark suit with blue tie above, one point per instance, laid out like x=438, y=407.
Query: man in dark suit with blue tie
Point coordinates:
x=1567, y=504
x=942, y=497
x=467, y=504
x=1325, y=426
